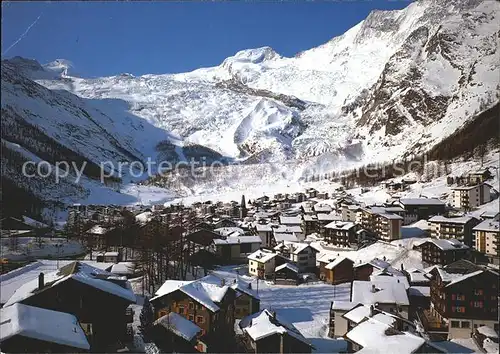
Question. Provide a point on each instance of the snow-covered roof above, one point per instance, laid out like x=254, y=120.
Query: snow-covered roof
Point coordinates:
x=264, y=227
x=488, y=226
x=378, y=335
x=383, y=292
x=343, y=305
x=262, y=256
x=81, y=272
x=11, y=281
x=329, y=217
x=419, y=291
x=179, y=326
x=421, y=201
x=390, y=216
x=382, y=277
x=234, y=240
x=340, y=225
x=264, y=324
x=487, y=331
x=465, y=276
x=291, y=237
x=123, y=268
x=226, y=231
x=419, y=277
x=447, y=244
x=98, y=230
x=144, y=217
x=288, y=265
x=466, y=188
x=291, y=220
x=204, y=291
x=320, y=207
x=336, y=262
x=452, y=220
x=358, y=313
x=42, y=324
x=288, y=229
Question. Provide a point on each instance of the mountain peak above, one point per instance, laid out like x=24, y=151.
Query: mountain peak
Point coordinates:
x=60, y=67
x=256, y=55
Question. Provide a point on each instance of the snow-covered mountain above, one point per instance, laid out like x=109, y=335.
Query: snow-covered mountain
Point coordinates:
x=398, y=82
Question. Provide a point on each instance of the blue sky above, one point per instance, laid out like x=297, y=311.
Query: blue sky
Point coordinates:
x=107, y=38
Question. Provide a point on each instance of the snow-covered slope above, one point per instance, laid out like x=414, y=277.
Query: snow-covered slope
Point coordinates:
x=397, y=82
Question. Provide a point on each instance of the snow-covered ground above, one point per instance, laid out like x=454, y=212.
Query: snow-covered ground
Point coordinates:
x=22, y=248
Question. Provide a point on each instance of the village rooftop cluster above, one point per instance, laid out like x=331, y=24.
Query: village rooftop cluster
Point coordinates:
x=190, y=278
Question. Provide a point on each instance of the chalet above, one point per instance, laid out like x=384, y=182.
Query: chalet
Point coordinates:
x=206, y=303
x=311, y=193
x=236, y=248
x=479, y=176
x=486, y=238
x=223, y=222
x=266, y=332
x=341, y=233
x=28, y=329
x=459, y=228
x=173, y=333
x=468, y=197
x=421, y=208
x=262, y=263
x=337, y=270
x=287, y=273
x=289, y=229
x=389, y=296
x=462, y=302
x=443, y=251
x=301, y=254
x=202, y=237
x=97, y=298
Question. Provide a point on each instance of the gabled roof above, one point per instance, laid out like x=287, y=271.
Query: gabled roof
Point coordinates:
x=446, y=244
x=337, y=261
x=179, y=325
x=288, y=265
x=265, y=323
x=383, y=292
x=42, y=324
x=290, y=220
x=377, y=335
x=83, y=273
x=452, y=220
x=262, y=256
x=202, y=290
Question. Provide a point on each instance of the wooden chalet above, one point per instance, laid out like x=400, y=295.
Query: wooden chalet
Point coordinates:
x=97, y=298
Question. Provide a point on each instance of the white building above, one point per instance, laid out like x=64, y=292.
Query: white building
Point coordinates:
x=302, y=254
x=468, y=197
x=486, y=237
x=262, y=263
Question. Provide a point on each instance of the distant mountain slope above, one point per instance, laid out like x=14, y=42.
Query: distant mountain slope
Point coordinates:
x=397, y=83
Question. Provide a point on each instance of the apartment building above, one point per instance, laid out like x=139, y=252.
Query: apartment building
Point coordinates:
x=459, y=228
x=421, y=208
x=486, y=237
x=341, y=233
x=377, y=220
x=468, y=197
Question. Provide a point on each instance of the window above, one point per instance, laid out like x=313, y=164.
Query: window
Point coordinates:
x=199, y=307
x=181, y=310
x=191, y=318
x=199, y=319
x=465, y=324
x=455, y=324
x=191, y=306
x=461, y=309
x=478, y=304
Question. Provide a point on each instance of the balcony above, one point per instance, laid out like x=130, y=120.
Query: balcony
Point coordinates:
x=432, y=323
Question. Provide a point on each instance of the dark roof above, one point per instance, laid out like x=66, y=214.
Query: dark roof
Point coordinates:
x=202, y=237
x=462, y=266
